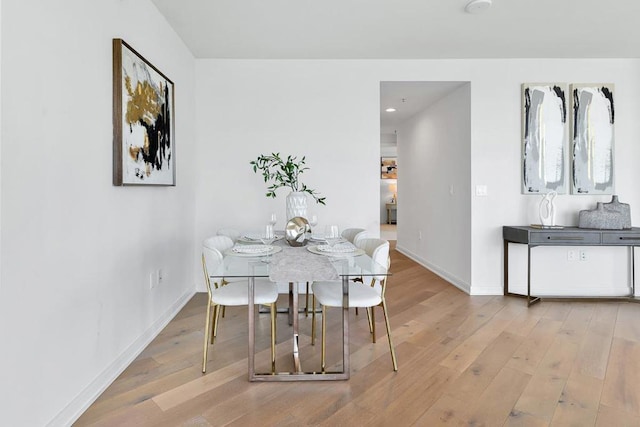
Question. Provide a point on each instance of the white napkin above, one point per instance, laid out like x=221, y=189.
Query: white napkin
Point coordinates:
x=257, y=236
x=252, y=249
x=252, y=236
x=338, y=248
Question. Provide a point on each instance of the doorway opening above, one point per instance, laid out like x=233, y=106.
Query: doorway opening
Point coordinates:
x=411, y=117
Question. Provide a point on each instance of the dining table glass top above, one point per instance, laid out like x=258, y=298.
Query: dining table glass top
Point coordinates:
x=262, y=265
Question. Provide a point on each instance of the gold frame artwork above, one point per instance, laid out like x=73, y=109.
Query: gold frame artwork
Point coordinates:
x=143, y=121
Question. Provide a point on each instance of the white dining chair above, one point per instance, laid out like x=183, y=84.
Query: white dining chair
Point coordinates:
x=222, y=243
x=231, y=233
x=368, y=296
x=354, y=234
x=232, y=293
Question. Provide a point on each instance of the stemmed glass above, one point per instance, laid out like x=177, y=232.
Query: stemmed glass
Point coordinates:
x=313, y=221
x=273, y=219
x=332, y=235
x=268, y=236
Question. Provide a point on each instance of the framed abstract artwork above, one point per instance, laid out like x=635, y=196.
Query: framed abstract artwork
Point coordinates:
x=143, y=121
x=544, y=138
x=592, y=138
x=388, y=168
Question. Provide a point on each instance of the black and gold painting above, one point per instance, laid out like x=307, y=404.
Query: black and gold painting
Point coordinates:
x=143, y=116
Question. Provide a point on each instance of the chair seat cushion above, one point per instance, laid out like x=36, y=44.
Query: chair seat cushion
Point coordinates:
x=236, y=293
x=360, y=295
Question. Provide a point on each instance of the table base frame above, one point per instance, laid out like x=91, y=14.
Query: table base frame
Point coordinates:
x=298, y=374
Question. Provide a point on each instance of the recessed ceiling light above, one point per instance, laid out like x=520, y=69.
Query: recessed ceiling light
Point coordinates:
x=477, y=6
x=390, y=110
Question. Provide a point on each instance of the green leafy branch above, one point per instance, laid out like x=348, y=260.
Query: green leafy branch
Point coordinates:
x=284, y=173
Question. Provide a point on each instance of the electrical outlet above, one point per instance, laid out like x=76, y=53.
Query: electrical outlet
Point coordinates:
x=583, y=255
x=572, y=256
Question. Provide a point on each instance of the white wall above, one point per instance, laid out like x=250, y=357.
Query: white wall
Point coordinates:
x=319, y=109
x=329, y=110
x=434, y=148
x=75, y=303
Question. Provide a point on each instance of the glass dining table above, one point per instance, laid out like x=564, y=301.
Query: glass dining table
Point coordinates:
x=298, y=265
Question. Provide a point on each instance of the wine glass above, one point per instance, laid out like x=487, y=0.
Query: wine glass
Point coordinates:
x=332, y=235
x=273, y=219
x=268, y=236
x=313, y=221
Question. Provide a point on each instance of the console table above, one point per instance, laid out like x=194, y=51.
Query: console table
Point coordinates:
x=390, y=208
x=567, y=236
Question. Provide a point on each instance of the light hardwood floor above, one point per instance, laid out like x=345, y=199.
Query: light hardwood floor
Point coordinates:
x=462, y=361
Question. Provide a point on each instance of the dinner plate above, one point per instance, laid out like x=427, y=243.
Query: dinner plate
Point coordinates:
x=321, y=250
x=320, y=238
x=253, y=250
x=255, y=237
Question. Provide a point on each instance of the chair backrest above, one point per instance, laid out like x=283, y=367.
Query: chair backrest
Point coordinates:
x=221, y=243
x=211, y=260
x=232, y=233
x=353, y=234
x=378, y=250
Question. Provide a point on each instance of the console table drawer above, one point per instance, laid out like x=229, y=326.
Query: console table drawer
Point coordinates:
x=620, y=238
x=565, y=239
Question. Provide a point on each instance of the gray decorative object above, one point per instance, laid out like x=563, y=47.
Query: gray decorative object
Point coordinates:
x=607, y=216
x=297, y=231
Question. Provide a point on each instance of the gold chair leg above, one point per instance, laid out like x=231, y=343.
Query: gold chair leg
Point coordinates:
x=373, y=323
x=207, y=331
x=214, y=323
x=386, y=321
x=356, y=311
x=273, y=338
x=313, y=320
x=369, y=319
x=306, y=302
x=223, y=310
x=324, y=328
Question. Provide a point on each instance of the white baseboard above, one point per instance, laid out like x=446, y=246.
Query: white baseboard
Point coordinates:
x=86, y=397
x=487, y=290
x=455, y=281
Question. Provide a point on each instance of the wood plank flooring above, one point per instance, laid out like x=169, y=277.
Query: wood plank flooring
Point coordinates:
x=475, y=361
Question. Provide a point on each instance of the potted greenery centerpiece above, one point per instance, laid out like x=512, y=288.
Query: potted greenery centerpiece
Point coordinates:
x=286, y=173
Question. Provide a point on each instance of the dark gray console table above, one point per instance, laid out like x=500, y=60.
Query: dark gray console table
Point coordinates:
x=568, y=236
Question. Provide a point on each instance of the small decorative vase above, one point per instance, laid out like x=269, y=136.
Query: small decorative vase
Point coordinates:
x=296, y=205
x=547, y=209
x=606, y=216
x=623, y=208
x=297, y=231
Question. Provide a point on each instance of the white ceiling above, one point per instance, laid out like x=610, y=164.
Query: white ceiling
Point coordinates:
x=409, y=98
x=405, y=29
